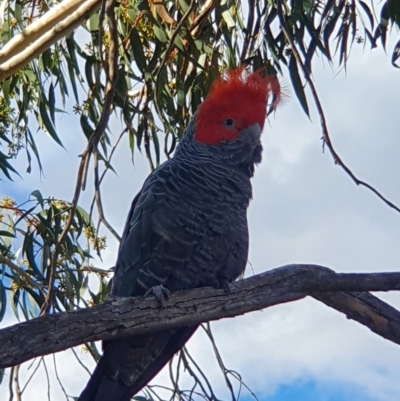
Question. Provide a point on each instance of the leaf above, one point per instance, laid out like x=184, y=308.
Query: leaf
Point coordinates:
x=24, y=214
x=32, y=144
x=328, y=7
x=155, y=59
x=344, y=36
x=3, y=6
x=38, y=195
x=92, y=24
x=396, y=55
x=139, y=398
x=90, y=61
x=6, y=167
x=37, y=296
x=48, y=124
x=162, y=12
x=27, y=249
x=131, y=138
x=83, y=216
x=314, y=32
x=160, y=34
x=137, y=49
x=6, y=234
x=368, y=12
x=6, y=89
x=139, y=134
x=3, y=304
x=297, y=84
x=330, y=26
x=73, y=66
x=370, y=38
x=5, y=32
x=52, y=102
x=394, y=11
x=84, y=285
x=156, y=145
x=227, y=16
x=87, y=128
x=14, y=303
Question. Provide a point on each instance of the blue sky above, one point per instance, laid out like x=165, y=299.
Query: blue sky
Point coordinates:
x=305, y=210
x=316, y=391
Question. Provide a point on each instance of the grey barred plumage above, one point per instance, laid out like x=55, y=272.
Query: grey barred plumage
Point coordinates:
x=187, y=228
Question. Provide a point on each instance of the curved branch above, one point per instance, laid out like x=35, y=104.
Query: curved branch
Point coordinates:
x=119, y=317
x=326, y=140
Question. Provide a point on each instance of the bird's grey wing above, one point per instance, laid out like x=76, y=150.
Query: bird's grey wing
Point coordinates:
x=148, y=250
x=128, y=364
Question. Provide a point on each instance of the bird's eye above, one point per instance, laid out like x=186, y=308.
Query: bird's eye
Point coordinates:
x=229, y=123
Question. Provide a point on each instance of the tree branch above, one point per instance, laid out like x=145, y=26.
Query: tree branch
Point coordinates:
x=326, y=140
x=25, y=276
x=91, y=146
x=41, y=34
x=118, y=317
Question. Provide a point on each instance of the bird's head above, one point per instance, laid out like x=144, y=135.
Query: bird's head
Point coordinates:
x=233, y=114
x=228, y=124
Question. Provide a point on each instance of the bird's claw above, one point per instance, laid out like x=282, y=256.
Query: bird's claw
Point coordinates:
x=224, y=285
x=160, y=292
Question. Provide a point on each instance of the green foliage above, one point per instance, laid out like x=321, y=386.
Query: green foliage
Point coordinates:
x=160, y=80
x=36, y=226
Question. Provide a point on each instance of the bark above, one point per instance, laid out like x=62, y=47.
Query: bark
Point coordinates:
x=118, y=317
x=58, y=22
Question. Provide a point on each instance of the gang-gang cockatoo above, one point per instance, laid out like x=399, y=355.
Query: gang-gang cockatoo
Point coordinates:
x=187, y=227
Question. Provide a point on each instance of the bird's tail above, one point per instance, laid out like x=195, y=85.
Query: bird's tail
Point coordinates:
x=128, y=364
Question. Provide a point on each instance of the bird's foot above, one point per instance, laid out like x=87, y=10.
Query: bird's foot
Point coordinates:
x=224, y=284
x=160, y=292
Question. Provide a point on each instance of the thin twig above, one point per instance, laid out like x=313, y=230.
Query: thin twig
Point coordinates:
x=174, y=381
x=238, y=377
x=47, y=378
x=13, y=384
x=249, y=31
x=90, y=148
x=207, y=328
x=193, y=374
x=98, y=184
x=166, y=54
x=99, y=204
x=91, y=348
x=205, y=10
x=149, y=389
x=325, y=133
x=31, y=376
x=80, y=362
x=58, y=378
x=89, y=269
x=17, y=389
x=20, y=272
x=147, y=144
x=10, y=384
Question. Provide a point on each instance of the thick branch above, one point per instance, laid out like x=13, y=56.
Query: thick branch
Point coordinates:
x=118, y=317
x=58, y=22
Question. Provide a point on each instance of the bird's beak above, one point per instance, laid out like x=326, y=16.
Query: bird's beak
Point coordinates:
x=253, y=133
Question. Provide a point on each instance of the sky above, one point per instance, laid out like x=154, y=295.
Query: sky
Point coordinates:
x=305, y=210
